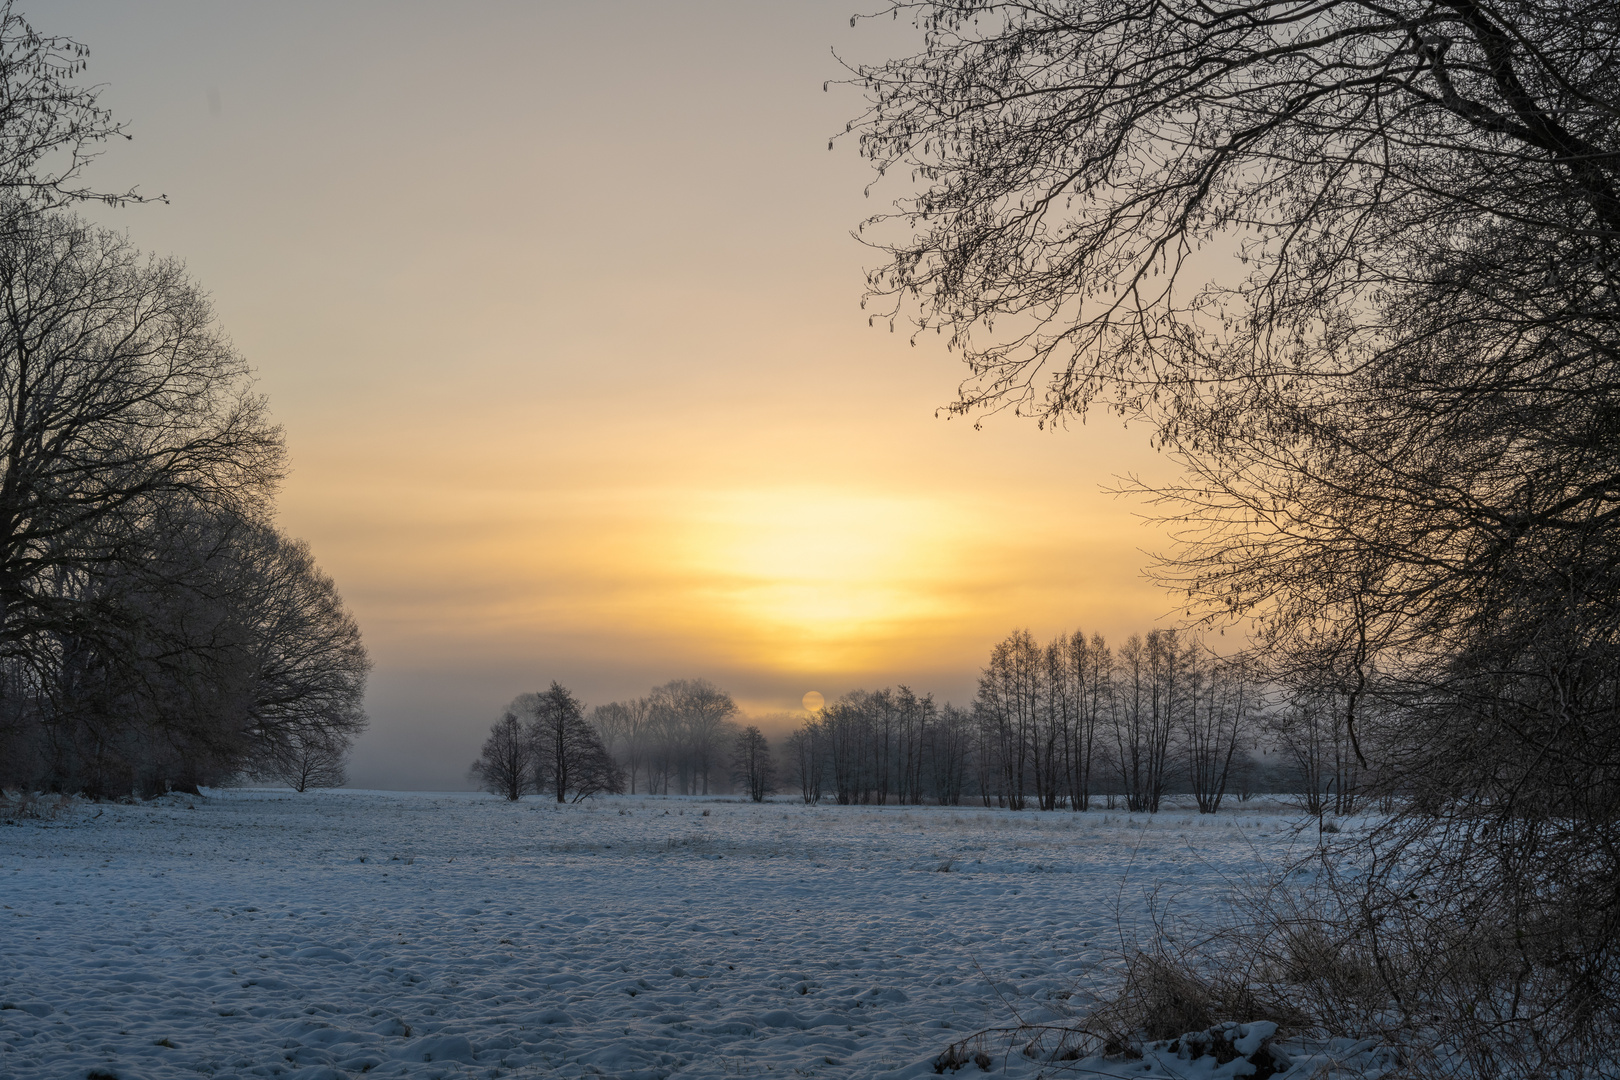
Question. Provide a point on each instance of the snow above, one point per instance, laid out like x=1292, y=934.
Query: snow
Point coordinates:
x=324, y=935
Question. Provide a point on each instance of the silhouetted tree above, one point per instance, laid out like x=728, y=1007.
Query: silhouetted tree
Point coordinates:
x=505, y=765
x=693, y=717
x=155, y=629
x=950, y=749
x=51, y=127
x=1087, y=678
x=806, y=758
x=1223, y=702
x=1009, y=703
x=752, y=765
x=1399, y=424
x=569, y=758
x=313, y=762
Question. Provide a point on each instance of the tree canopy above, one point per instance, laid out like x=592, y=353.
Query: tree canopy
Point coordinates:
x=1355, y=264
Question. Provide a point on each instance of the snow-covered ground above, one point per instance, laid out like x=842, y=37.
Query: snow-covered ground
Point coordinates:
x=256, y=933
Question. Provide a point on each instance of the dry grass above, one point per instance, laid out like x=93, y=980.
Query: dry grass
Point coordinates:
x=1446, y=995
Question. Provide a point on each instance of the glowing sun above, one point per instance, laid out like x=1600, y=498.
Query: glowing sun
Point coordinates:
x=813, y=701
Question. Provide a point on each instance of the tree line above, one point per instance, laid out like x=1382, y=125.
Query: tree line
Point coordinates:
x=157, y=630
x=1067, y=724
x=1074, y=721
x=680, y=738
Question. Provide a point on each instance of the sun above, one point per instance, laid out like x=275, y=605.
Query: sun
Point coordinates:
x=810, y=588
x=813, y=701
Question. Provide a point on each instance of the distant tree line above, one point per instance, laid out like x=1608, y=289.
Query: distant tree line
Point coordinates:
x=1069, y=724
x=1062, y=725
x=679, y=739
x=156, y=629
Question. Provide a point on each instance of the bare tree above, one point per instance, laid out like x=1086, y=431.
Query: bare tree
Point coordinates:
x=851, y=734
x=626, y=733
x=505, y=765
x=314, y=762
x=134, y=462
x=1009, y=703
x=667, y=754
x=50, y=127
x=950, y=754
x=118, y=394
x=707, y=711
x=1312, y=732
x=569, y=758
x=1219, y=714
x=807, y=756
x=1149, y=670
x=308, y=665
x=156, y=631
x=1088, y=669
x=914, y=723
x=692, y=718
x=752, y=765
x=1399, y=422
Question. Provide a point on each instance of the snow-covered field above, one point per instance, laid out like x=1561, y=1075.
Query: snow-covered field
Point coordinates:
x=257, y=933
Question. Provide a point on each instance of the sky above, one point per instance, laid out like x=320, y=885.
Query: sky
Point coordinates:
x=559, y=307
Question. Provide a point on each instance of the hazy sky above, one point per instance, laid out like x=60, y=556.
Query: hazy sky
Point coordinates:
x=559, y=307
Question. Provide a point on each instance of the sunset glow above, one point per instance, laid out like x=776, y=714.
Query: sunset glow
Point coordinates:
x=611, y=412
x=815, y=579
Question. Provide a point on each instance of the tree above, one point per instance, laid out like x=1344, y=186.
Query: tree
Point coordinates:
x=50, y=128
x=949, y=754
x=667, y=759
x=1149, y=708
x=626, y=732
x=696, y=713
x=1010, y=693
x=119, y=394
x=569, y=758
x=308, y=666
x=155, y=628
x=313, y=762
x=226, y=649
x=807, y=759
x=1399, y=423
x=1088, y=672
x=847, y=724
x=133, y=456
x=752, y=765
x=1217, y=719
x=505, y=764
x=1425, y=195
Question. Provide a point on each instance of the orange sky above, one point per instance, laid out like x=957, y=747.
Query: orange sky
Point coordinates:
x=560, y=310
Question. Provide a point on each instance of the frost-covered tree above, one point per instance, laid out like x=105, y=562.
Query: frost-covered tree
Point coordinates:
x=1355, y=264
x=950, y=752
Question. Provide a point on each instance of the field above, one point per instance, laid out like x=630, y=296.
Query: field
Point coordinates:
x=258, y=933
